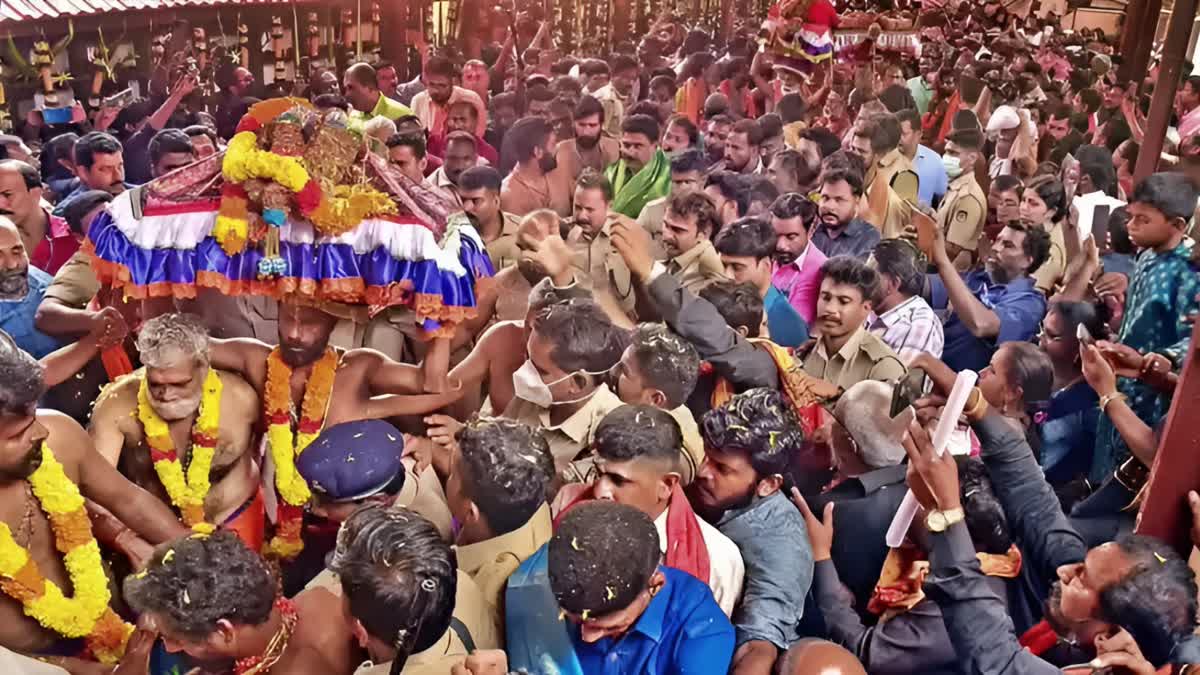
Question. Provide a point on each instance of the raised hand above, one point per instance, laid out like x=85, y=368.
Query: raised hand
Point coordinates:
x=820, y=532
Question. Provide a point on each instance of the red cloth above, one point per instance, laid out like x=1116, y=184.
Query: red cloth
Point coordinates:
x=822, y=12
x=1039, y=639
x=56, y=249
x=686, y=550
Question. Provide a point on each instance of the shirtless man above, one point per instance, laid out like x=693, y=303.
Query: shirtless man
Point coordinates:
x=174, y=349
x=238, y=616
x=28, y=438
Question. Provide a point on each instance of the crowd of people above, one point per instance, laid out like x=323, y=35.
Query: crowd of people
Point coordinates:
x=731, y=297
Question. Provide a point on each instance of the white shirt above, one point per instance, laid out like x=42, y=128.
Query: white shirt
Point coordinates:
x=1085, y=206
x=726, y=571
x=910, y=329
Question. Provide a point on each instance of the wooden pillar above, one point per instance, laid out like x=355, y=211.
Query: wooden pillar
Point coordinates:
x=1179, y=32
x=1164, y=512
x=618, y=21
x=726, y=29
x=1137, y=38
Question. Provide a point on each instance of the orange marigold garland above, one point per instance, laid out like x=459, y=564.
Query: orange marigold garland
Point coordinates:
x=285, y=445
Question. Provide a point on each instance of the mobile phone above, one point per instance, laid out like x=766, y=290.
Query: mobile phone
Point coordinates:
x=1084, y=335
x=119, y=99
x=910, y=388
x=1100, y=218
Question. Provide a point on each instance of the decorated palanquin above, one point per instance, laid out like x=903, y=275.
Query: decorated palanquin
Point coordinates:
x=797, y=33
x=295, y=206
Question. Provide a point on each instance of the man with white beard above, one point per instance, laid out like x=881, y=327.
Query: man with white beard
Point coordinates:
x=174, y=393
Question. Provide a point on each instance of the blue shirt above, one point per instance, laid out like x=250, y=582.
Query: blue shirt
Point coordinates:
x=932, y=176
x=771, y=535
x=1162, y=291
x=1019, y=305
x=682, y=631
x=857, y=240
x=16, y=317
x=787, y=327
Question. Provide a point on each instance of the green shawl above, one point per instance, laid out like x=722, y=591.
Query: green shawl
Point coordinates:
x=632, y=193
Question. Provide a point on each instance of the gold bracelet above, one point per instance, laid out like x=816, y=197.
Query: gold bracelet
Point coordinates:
x=1109, y=398
x=975, y=411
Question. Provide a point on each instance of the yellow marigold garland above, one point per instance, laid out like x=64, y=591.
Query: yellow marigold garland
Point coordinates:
x=188, y=492
x=345, y=206
x=87, y=615
x=286, y=445
x=244, y=160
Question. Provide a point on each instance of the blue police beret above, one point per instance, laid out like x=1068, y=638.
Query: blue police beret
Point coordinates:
x=355, y=460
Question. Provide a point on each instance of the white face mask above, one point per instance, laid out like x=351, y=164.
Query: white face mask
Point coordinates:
x=529, y=386
x=953, y=166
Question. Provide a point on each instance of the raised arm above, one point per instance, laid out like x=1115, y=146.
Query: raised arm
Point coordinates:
x=692, y=317
x=245, y=356
x=979, y=320
x=100, y=482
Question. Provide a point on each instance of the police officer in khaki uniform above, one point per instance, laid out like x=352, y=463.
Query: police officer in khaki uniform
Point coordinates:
x=963, y=211
x=846, y=353
x=597, y=264
x=889, y=179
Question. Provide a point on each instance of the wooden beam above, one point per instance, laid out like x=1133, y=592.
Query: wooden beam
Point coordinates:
x=1164, y=512
x=1179, y=32
x=1137, y=38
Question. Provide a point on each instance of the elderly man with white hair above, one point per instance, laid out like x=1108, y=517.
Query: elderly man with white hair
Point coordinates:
x=868, y=483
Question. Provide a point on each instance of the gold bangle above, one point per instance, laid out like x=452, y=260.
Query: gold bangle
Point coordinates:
x=976, y=410
x=1109, y=398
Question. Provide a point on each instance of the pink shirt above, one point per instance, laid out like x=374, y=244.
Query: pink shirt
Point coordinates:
x=1190, y=124
x=56, y=249
x=800, y=281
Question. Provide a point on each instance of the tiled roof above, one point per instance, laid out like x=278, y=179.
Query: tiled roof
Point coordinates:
x=35, y=10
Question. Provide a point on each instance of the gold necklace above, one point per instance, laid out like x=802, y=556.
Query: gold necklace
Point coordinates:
x=263, y=663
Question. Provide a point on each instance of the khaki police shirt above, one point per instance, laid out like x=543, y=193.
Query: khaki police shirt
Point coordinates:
x=471, y=610
x=863, y=357
x=963, y=213
x=492, y=561
x=573, y=436
x=1050, y=274
x=597, y=264
x=75, y=284
x=651, y=220
x=698, y=267
x=503, y=250
x=897, y=171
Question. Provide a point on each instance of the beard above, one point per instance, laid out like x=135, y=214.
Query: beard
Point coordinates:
x=299, y=355
x=998, y=274
x=14, y=283
x=784, y=257
x=28, y=464
x=833, y=220
x=587, y=142
x=179, y=409
x=633, y=163
x=548, y=163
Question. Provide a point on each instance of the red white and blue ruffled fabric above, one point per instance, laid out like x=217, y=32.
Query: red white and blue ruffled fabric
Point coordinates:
x=170, y=252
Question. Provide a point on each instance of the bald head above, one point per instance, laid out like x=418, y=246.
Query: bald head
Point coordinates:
x=361, y=86
x=819, y=657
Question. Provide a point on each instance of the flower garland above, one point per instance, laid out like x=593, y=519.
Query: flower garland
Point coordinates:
x=244, y=161
x=87, y=615
x=187, y=492
x=285, y=446
x=348, y=206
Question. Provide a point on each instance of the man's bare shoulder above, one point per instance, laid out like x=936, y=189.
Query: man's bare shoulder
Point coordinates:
x=68, y=440
x=117, y=402
x=237, y=391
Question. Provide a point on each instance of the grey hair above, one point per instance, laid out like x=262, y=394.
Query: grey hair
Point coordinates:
x=861, y=411
x=164, y=338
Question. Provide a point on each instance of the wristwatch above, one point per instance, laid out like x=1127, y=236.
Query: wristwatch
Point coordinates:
x=940, y=521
